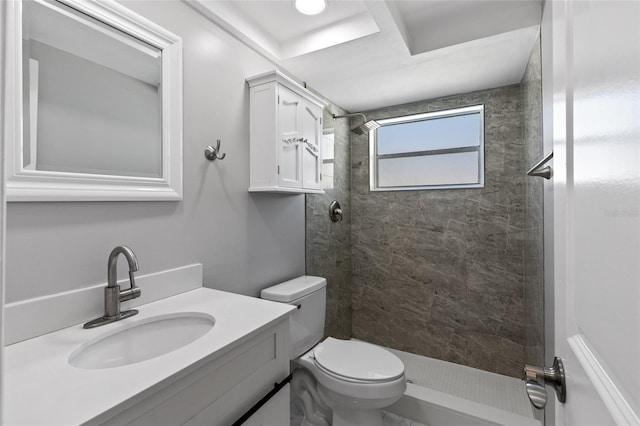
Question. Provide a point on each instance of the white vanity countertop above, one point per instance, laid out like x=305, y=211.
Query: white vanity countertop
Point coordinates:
x=43, y=389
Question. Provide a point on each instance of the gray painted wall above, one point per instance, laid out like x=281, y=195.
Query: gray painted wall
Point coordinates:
x=440, y=273
x=245, y=241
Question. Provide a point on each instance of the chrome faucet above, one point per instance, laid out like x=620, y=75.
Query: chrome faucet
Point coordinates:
x=113, y=296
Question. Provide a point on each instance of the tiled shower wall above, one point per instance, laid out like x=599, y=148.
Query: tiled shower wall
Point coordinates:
x=328, y=244
x=443, y=273
x=534, y=213
x=440, y=272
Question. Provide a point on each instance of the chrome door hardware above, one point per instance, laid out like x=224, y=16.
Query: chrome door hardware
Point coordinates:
x=538, y=170
x=335, y=212
x=537, y=377
x=212, y=153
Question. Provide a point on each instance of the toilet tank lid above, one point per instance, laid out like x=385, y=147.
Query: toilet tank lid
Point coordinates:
x=294, y=289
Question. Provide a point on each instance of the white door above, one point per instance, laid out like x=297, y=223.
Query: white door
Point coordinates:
x=596, y=133
x=290, y=135
x=311, y=149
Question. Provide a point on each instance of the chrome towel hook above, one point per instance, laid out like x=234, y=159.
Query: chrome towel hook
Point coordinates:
x=212, y=153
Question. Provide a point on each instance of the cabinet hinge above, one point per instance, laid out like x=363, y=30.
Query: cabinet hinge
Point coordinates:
x=278, y=169
x=278, y=99
x=320, y=176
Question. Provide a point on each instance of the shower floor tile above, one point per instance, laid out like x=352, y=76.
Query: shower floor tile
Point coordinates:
x=506, y=393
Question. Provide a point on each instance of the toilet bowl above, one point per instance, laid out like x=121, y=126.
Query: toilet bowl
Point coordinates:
x=355, y=379
x=348, y=380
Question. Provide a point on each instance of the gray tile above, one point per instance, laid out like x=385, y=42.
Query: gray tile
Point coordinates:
x=532, y=238
x=443, y=273
x=434, y=269
x=328, y=244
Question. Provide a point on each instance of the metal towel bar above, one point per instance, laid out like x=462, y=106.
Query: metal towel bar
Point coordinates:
x=538, y=170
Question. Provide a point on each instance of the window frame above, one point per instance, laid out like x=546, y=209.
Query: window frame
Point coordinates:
x=373, y=148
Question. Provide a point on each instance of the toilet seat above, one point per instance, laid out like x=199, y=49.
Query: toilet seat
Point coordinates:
x=359, y=399
x=357, y=362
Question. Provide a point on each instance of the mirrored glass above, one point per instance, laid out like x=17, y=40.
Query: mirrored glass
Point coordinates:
x=92, y=96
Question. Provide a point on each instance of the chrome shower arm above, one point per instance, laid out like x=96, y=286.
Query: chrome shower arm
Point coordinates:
x=365, y=127
x=364, y=117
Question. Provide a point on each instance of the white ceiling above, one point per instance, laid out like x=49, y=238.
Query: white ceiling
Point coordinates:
x=285, y=23
x=368, y=54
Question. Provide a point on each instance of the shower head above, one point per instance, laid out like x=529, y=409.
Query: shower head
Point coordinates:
x=365, y=127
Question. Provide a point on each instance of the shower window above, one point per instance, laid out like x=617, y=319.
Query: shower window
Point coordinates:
x=436, y=150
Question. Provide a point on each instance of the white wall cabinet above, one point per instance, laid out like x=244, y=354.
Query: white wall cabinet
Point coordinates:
x=285, y=136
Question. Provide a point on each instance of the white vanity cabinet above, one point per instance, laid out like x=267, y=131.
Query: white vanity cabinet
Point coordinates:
x=285, y=136
x=220, y=392
x=236, y=373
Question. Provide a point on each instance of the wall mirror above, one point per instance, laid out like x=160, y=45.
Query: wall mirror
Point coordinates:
x=97, y=102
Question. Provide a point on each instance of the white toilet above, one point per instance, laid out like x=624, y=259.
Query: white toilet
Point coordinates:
x=341, y=382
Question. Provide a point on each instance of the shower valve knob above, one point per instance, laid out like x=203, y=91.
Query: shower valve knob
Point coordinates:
x=335, y=212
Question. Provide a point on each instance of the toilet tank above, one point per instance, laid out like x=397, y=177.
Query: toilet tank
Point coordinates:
x=306, y=325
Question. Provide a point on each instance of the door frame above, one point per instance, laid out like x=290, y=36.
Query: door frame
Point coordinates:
x=6, y=116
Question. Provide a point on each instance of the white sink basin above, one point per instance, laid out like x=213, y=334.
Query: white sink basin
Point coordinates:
x=142, y=340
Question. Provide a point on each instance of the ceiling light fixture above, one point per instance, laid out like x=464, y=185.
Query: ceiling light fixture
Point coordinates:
x=310, y=7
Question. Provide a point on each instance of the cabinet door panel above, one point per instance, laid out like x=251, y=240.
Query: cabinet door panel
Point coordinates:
x=289, y=145
x=251, y=364
x=311, y=150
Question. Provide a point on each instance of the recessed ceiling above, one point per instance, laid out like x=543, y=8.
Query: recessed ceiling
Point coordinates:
x=434, y=25
x=278, y=30
x=364, y=55
x=284, y=22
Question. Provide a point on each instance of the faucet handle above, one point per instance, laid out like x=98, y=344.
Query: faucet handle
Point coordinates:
x=132, y=292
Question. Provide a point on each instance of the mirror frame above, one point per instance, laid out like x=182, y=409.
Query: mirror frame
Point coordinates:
x=34, y=185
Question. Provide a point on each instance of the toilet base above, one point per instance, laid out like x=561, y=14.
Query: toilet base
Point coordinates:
x=346, y=417
x=304, y=386
x=354, y=412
